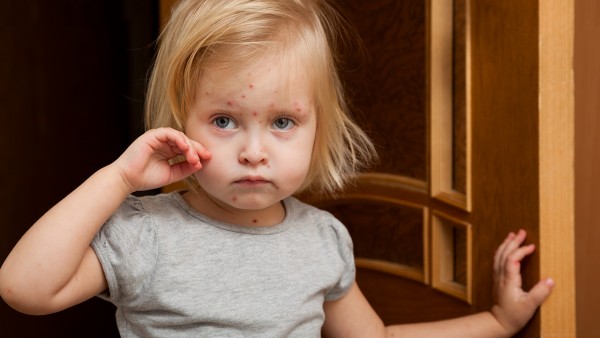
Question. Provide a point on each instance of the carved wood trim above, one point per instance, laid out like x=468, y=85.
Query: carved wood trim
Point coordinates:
x=410, y=272
x=441, y=66
x=444, y=251
x=392, y=269
x=375, y=180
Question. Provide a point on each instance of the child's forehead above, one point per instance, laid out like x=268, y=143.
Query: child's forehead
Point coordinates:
x=274, y=65
x=251, y=56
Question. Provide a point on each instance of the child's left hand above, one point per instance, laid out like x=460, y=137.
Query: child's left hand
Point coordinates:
x=514, y=307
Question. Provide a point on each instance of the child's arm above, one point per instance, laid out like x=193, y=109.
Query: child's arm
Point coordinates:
x=53, y=267
x=352, y=316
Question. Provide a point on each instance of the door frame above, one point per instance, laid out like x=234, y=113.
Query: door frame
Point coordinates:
x=523, y=103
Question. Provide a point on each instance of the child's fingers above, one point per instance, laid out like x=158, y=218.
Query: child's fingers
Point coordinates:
x=201, y=150
x=180, y=144
x=519, y=238
x=520, y=253
x=183, y=169
x=500, y=251
x=509, y=256
x=195, y=152
x=180, y=141
x=175, y=140
x=511, y=243
x=512, y=268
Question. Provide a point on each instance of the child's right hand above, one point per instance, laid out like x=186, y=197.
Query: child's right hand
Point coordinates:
x=53, y=266
x=146, y=163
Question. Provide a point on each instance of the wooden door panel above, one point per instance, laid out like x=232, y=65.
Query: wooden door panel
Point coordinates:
x=388, y=86
x=389, y=234
x=411, y=232
x=496, y=146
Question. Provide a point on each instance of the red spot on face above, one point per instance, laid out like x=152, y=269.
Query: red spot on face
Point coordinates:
x=229, y=103
x=243, y=96
x=234, y=198
x=254, y=221
x=254, y=113
x=251, y=86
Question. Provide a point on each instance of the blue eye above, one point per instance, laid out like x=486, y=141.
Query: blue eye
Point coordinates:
x=283, y=123
x=224, y=122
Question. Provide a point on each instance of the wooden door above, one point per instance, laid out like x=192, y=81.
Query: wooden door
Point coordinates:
x=471, y=106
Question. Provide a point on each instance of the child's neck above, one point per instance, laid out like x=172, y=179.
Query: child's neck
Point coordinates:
x=215, y=209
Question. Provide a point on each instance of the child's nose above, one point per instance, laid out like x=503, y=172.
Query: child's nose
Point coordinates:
x=253, y=152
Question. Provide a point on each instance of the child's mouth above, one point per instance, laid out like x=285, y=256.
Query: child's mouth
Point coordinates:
x=252, y=181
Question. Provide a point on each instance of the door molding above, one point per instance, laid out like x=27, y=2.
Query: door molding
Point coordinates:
x=523, y=151
x=556, y=172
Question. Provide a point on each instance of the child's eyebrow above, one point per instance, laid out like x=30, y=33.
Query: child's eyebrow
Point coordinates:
x=297, y=110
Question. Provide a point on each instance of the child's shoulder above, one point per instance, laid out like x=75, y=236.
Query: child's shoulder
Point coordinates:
x=316, y=215
x=153, y=201
x=148, y=206
x=306, y=210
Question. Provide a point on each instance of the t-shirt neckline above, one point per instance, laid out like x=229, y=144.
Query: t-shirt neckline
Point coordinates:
x=266, y=230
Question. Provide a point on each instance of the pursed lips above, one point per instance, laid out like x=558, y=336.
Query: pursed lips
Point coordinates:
x=252, y=181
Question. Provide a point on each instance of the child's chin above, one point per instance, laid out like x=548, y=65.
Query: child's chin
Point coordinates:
x=250, y=203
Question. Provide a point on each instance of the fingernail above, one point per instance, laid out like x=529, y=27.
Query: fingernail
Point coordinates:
x=550, y=282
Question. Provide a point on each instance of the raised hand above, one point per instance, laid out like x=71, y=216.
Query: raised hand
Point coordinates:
x=514, y=306
x=148, y=162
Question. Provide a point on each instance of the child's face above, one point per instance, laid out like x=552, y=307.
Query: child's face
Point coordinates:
x=259, y=125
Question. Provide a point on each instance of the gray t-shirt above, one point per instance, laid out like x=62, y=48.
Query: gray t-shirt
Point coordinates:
x=173, y=272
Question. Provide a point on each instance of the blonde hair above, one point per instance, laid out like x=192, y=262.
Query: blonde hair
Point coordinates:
x=203, y=32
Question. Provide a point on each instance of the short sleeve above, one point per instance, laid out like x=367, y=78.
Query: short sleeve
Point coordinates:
x=127, y=248
x=346, y=254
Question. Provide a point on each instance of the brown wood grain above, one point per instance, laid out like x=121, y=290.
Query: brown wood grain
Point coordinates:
x=383, y=231
x=587, y=166
x=388, y=87
x=399, y=300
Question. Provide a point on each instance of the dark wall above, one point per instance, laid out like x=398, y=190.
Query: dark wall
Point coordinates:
x=72, y=76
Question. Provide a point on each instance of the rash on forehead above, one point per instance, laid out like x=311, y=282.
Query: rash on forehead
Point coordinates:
x=276, y=83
